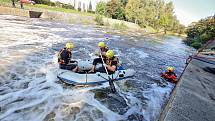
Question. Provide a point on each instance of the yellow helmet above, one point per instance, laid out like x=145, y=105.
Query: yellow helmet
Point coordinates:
x=69, y=45
x=101, y=44
x=170, y=69
x=110, y=53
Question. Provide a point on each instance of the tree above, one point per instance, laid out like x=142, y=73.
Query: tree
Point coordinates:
x=134, y=11
x=124, y=2
x=200, y=32
x=167, y=18
x=115, y=10
x=101, y=8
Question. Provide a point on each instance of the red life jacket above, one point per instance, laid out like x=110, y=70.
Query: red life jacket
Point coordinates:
x=170, y=76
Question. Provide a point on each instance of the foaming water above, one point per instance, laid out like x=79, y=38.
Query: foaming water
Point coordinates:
x=29, y=89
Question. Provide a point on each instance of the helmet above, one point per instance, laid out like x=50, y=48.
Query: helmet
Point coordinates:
x=69, y=45
x=101, y=44
x=110, y=53
x=170, y=69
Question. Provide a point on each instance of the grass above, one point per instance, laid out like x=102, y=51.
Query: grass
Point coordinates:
x=59, y=9
x=46, y=7
x=5, y=2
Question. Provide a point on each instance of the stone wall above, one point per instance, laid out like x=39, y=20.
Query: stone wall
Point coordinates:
x=14, y=11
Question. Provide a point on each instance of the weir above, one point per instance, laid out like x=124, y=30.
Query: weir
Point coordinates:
x=194, y=96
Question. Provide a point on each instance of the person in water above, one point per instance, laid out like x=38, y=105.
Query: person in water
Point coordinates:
x=111, y=63
x=64, y=58
x=102, y=51
x=170, y=75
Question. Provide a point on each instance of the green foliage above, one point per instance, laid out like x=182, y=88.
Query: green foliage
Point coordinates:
x=101, y=8
x=133, y=14
x=99, y=20
x=124, y=2
x=196, y=44
x=58, y=4
x=46, y=2
x=67, y=6
x=154, y=13
x=200, y=32
x=115, y=10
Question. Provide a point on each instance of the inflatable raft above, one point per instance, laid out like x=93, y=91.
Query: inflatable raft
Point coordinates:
x=85, y=78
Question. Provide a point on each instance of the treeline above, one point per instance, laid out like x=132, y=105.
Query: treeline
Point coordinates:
x=200, y=32
x=153, y=13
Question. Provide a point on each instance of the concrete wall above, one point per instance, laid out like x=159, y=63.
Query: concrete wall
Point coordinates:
x=14, y=11
x=50, y=15
x=65, y=17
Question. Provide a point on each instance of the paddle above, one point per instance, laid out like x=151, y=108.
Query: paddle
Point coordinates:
x=112, y=87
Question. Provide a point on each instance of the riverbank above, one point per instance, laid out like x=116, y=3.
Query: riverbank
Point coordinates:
x=76, y=17
x=193, y=98
x=65, y=15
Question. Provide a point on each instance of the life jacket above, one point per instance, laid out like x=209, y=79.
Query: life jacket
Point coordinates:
x=170, y=76
x=103, y=50
x=64, y=56
x=113, y=61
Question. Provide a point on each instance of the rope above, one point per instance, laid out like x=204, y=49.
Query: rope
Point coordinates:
x=190, y=58
x=203, y=47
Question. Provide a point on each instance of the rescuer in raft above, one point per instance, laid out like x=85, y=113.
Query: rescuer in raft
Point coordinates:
x=170, y=75
x=111, y=63
x=102, y=51
x=64, y=58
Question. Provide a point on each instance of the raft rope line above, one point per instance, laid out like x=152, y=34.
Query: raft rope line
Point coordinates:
x=172, y=95
x=190, y=58
x=195, y=56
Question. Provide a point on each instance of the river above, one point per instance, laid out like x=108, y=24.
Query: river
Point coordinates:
x=29, y=89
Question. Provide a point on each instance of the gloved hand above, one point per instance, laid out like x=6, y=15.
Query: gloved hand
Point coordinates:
x=97, y=53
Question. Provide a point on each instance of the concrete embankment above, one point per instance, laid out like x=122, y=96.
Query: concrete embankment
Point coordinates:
x=74, y=18
x=193, y=99
x=47, y=14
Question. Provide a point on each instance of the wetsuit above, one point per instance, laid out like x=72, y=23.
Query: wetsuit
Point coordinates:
x=170, y=76
x=99, y=60
x=111, y=62
x=64, y=58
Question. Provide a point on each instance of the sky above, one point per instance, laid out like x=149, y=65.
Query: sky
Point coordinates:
x=188, y=11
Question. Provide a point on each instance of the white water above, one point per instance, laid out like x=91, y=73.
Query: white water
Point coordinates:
x=29, y=89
